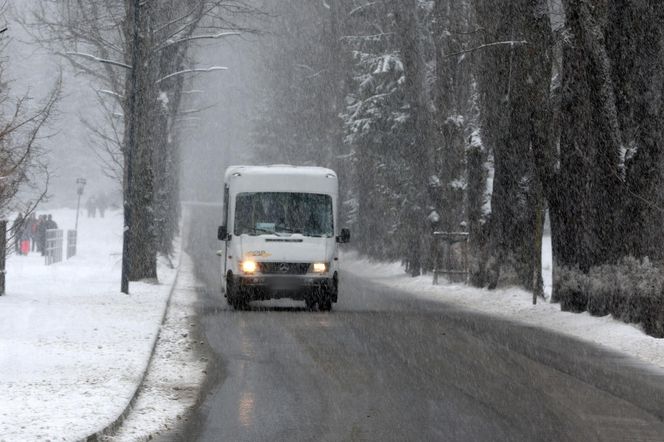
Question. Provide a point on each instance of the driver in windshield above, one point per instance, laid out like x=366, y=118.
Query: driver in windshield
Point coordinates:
x=277, y=213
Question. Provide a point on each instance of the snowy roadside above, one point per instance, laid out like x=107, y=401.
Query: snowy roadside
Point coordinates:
x=178, y=368
x=516, y=305
x=73, y=349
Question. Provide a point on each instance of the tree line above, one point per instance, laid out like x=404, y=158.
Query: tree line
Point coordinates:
x=24, y=175
x=480, y=116
x=470, y=115
x=139, y=57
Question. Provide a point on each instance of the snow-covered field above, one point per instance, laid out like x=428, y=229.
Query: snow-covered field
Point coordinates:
x=73, y=349
x=516, y=305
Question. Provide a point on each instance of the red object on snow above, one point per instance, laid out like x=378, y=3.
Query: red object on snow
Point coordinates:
x=25, y=246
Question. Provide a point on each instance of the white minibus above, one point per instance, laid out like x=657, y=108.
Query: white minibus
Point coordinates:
x=281, y=234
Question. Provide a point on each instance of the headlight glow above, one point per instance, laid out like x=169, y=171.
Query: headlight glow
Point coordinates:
x=320, y=267
x=249, y=266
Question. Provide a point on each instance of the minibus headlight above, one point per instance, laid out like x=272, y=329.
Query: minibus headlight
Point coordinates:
x=319, y=267
x=249, y=266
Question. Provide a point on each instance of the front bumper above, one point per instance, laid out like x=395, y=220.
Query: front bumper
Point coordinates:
x=259, y=287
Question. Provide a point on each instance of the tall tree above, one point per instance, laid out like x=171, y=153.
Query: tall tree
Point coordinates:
x=375, y=123
x=417, y=143
x=455, y=117
x=634, y=38
x=95, y=37
x=505, y=78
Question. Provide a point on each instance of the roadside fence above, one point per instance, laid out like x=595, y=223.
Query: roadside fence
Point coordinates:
x=54, y=245
x=71, y=243
x=450, y=257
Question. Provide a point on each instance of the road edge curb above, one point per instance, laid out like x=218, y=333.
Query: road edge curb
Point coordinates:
x=117, y=422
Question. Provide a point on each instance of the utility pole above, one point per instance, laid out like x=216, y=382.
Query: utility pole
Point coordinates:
x=131, y=143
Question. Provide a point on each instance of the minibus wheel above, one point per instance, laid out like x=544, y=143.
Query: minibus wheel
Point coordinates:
x=325, y=304
x=320, y=298
x=234, y=295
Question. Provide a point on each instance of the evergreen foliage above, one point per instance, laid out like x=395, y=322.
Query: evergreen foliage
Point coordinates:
x=481, y=116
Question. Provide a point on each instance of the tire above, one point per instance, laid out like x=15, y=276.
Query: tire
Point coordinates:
x=333, y=292
x=238, y=304
x=234, y=296
x=310, y=302
x=325, y=304
x=320, y=300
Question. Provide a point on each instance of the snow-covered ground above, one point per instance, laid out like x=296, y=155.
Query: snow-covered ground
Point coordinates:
x=177, y=370
x=516, y=305
x=73, y=349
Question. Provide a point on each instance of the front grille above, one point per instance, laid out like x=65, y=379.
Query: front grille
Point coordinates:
x=284, y=268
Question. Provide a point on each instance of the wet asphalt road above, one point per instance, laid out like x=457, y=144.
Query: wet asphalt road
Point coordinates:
x=383, y=366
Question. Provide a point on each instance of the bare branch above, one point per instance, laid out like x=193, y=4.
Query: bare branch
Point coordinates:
x=100, y=60
x=361, y=8
x=111, y=93
x=192, y=71
x=488, y=45
x=197, y=37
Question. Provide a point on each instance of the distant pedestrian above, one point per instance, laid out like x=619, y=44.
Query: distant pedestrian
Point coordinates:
x=25, y=237
x=91, y=206
x=50, y=223
x=17, y=229
x=41, y=235
x=32, y=226
x=102, y=204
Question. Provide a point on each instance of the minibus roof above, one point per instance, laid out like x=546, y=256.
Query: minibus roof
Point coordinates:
x=282, y=178
x=279, y=169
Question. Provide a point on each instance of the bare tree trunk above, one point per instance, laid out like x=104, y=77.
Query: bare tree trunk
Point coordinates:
x=476, y=177
x=537, y=31
x=140, y=189
x=635, y=40
x=418, y=152
x=366, y=212
x=504, y=81
x=339, y=63
x=448, y=140
x=590, y=188
x=166, y=149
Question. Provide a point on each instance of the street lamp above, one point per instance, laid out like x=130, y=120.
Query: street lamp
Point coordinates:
x=80, y=186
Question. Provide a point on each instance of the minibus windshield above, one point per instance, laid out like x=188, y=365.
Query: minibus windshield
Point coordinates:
x=284, y=213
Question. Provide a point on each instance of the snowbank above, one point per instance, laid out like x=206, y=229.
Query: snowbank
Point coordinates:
x=73, y=349
x=516, y=305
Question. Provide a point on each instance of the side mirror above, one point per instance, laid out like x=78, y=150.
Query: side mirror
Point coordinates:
x=222, y=233
x=344, y=237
